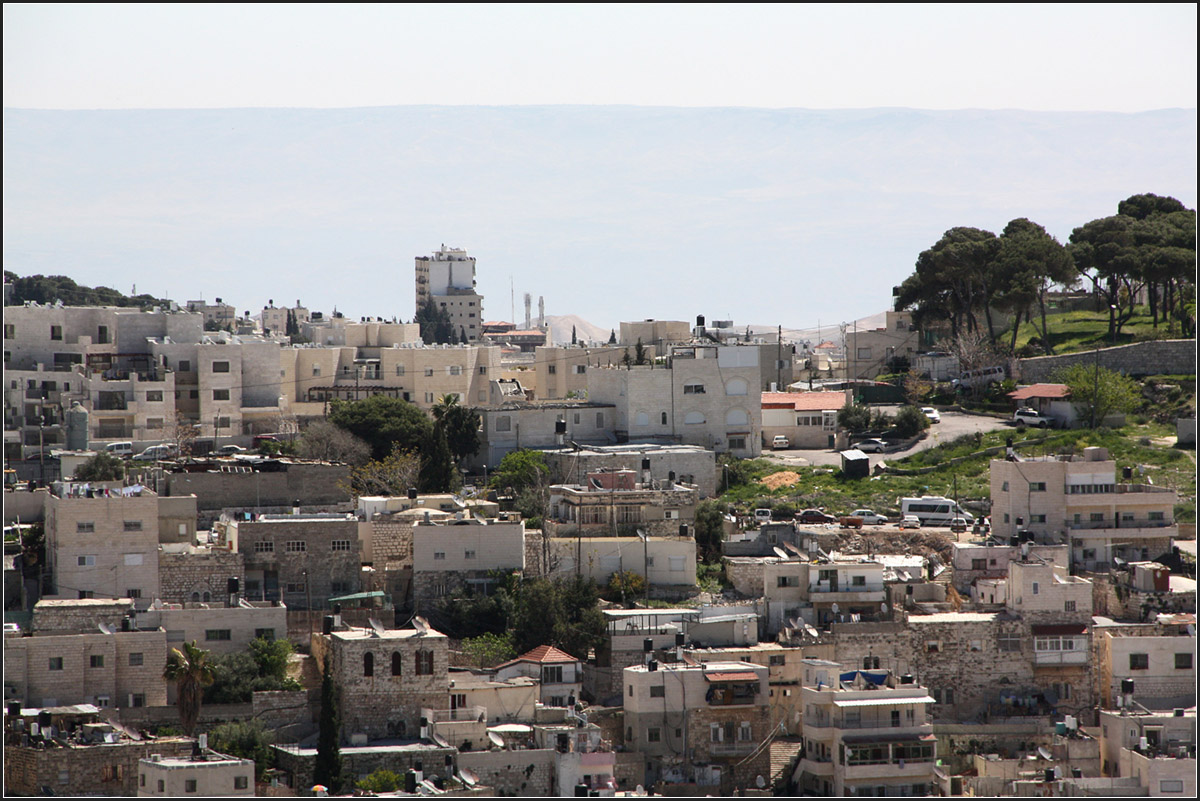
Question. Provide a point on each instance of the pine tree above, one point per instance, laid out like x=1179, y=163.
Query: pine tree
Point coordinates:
x=574, y=339
x=612, y=338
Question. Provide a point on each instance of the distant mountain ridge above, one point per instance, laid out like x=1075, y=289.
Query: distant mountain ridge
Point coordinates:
x=787, y=216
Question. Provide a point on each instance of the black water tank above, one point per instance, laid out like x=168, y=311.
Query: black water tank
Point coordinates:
x=699, y=320
x=907, y=678
x=560, y=426
x=126, y=624
x=1049, y=774
x=653, y=666
x=410, y=782
x=232, y=585
x=43, y=720
x=412, y=493
x=646, y=463
x=1126, y=686
x=647, y=645
x=1014, y=540
x=327, y=624
x=683, y=529
x=671, y=475
x=679, y=639
x=581, y=791
x=1126, y=473
x=1076, y=773
x=14, y=709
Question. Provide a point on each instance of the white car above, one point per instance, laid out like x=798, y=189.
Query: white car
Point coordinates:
x=868, y=517
x=871, y=445
x=780, y=443
x=909, y=521
x=931, y=413
x=1030, y=417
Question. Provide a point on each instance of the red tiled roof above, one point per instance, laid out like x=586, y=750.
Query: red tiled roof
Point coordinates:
x=739, y=675
x=543, y=654
x=1040, y=391
x=804, y=401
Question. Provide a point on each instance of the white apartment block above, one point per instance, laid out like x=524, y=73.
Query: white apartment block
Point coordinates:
x=274, y=318
x=706, y=395
x=313, y=376
x=1077, y=500
x=456, y=554
x=448, y=279
x=562, y=372
x=209, y=775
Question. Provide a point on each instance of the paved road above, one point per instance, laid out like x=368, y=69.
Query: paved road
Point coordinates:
x=954, y=424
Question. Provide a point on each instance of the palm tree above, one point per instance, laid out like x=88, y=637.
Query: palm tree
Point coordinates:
x=444, y=406
x=192, y=672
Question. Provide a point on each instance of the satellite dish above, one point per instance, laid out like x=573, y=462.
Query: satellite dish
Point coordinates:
x=439, y=740
x=1044, y=754
x=834, y=607
x=794, y=622
x=782, y=554
x=1191, y=629
x=643, y=535
x=496, y=739
x=376, y=626
x=468, y=777
x=883, y=607
x=421, y=625
x=759, y=781
x=106, y=629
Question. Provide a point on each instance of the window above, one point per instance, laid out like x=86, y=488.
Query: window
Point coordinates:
x=1139, y=661
x=429, y=372
x=1157, y=516
x=241, y=782
x=483, y=369
x=676, y=563
x=96, y=660
x=1096, y=517
x=858, y=581
x=368, y=664
x=133, y=525
x=142, y=780
x=154, y=396
x=975, y=645
x=189, y=785
x=663, y=418
x=737, y=443
x=1089, y=554
x=1037, y=486
x=439, y=556
x=1037, y=518
x=294, y=587
x=136, y=659
x=216, y=634
x=1068, y=606
x=56, y=663
x=85, y=527
x=102, y=335
x=658, y=691
x=693, y=388
x=55, y=332
x=552, y=369
x=1170, y=785
x=397, y=662
x=1183, y=661
x=220, y=394
x=264, y=634
x=217, y=367
x=339, y=545
x=455, y=369
x=653, y=735
x=979, y=564
x=154, y=422
x=160, y=785
x=552, y=674
x=85, y=594
x=776, y=660
x=424, y=661
x=787, y=581
x=296, y=546
x=86, y=561
x=948, y=696
x=933, y=647
x=468, y=554
x=580, y=369
x=1004, y=487
x=1035, y=588
x=264, y=546
x=10, y=331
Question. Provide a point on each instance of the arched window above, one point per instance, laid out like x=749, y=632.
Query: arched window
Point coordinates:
x=736, y=417
x=642, y=419
x=207, y=597
x=368, y=664
x=397, y=661
x=195, y=597
x=735, y=386
x=663, y=419
x=693, y=418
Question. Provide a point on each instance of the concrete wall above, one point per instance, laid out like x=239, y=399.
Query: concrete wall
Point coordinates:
x=1159, y=357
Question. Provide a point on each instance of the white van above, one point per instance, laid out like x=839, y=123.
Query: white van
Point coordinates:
x=934, y=510
x=762, y=516
x=979, y=378
x=119, y=448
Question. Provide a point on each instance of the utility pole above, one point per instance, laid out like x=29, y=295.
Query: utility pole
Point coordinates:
x=779, y=358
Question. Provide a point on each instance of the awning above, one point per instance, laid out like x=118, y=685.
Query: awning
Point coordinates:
x=923, y=699
x=1060, y=628
x=738, y=675
x=902, y=737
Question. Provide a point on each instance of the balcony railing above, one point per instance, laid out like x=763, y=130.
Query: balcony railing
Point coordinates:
x=1079, y=657
x=461, y=715
x=1113, y=525
x=731, y=749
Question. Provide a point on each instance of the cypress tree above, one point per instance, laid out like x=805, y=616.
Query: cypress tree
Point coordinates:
x=328, y=767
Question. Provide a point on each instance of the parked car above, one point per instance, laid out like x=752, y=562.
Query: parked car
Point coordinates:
x=931, y=413
x=869, y=517
x=958, y=524
x=762, y=516
x=815, y=516
x=119, y=448
x=780, y=443
x=155, y=453
x=909, y=521
x=1030, y=417
x=871, y=445
x=230, y=450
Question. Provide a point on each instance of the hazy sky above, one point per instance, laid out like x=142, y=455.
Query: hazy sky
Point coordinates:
x=1041, y=57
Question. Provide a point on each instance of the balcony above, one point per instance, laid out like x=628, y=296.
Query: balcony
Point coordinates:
x=817, y=767
x=462, y=714
x=731, y=749
x=1079, y=657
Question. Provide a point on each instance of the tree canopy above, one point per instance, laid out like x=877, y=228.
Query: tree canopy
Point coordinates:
x=189, y=667
x=1098, y=392
x=103, y=466
x=520, y=470
x=51, y=288
x=384, y=423
x=460, y=424
x=435, y=323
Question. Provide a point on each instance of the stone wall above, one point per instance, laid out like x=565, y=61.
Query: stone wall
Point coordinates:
x=746, y=576
x=314, y=484
x=522, y=773
x=79, y=617
x=85, y=769
x=1159, y=357
x=360, y=762
x=208, y=571
x=391, y=542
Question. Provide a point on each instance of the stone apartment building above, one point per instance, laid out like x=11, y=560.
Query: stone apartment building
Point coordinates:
x=207, y=775
x=454, y=555
x=866, y=732
x=1076, y=500
x=1160, y=660
x=116, y=670
x=656, y=335
x=871, y=352
x=274, y=319
x=103, y=543
x=386, y=678
x=1165, y=731
x=807, y=419
x=701, y=722
x=448, y=279
x=511, y=425
x=561, y=371
x=705, y=395
x=301, y=560
x=615, y=503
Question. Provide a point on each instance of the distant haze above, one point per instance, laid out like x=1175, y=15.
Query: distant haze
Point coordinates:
x=612, y=213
